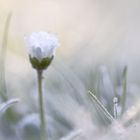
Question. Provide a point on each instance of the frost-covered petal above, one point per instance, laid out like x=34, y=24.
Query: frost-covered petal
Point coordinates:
x=42, y=44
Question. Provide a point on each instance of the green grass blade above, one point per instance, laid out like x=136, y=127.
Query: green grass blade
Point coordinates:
x=3, y=58
x=105, y=111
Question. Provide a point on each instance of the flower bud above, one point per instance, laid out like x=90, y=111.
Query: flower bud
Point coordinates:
x=41, y=48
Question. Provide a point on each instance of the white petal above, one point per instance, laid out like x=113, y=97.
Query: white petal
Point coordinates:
x=42, y=44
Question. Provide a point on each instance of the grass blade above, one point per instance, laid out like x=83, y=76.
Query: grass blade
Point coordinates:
x=105, y=111
x=3, y=58
x=4, y=106
x=124, y=85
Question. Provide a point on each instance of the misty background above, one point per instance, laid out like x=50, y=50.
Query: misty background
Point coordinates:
x=100, y=31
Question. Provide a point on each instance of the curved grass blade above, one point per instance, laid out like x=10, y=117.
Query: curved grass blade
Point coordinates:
x=3, y=58
x=4, y=106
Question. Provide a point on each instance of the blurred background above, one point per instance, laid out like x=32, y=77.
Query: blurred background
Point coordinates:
x=98, y=40
x=93, y=31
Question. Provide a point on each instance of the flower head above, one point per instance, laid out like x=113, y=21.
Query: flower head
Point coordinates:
x=41, y=47
x=42, y=44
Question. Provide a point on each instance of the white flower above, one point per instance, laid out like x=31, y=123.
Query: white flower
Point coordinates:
x=41, y=45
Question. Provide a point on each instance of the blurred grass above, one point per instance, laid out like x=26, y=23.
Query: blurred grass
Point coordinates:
x=3, y=59
x=124, y=84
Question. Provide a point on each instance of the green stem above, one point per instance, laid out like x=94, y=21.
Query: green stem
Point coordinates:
x=41, y=107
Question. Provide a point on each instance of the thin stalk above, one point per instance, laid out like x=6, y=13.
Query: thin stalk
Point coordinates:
x=124, y=84
x=43, y=134
x=105, y=111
